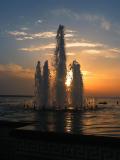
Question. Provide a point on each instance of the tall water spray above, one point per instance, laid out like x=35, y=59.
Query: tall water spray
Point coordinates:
x=60, y=66
x=38, y=85
x=52, y=90
x=77, y=86
x=45, y=85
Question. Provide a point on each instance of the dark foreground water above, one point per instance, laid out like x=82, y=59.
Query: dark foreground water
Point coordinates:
x=104, y=121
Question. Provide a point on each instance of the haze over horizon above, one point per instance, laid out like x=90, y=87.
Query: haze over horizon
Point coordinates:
x=27, y=34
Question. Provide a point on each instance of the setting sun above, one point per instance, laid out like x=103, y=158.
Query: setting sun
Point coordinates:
x=69, y=78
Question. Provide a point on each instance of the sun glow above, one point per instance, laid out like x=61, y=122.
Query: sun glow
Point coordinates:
x=69, y=78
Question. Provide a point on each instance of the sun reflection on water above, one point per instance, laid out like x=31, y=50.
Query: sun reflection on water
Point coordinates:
x=68, y=123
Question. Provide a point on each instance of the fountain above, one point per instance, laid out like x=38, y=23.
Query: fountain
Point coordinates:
x=77, y=86
x=60, y=67
x=45, y=85
x=58, y=95
x=38, y=86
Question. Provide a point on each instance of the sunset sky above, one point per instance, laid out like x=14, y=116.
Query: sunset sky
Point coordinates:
x=27, y=34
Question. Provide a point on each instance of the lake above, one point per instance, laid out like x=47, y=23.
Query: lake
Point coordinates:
x=103, y=121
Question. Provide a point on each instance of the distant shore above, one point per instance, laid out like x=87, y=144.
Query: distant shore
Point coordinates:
x=5, y=95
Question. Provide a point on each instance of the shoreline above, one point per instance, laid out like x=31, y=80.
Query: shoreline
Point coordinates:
x=20, y=143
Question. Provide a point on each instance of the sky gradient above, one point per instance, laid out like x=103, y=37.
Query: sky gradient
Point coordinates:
x=27, y=34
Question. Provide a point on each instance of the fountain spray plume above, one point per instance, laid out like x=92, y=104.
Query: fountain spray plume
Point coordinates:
x=45, y=85
x=38, y=85
x=77, y=86
x=55, y=91
x=60, y=67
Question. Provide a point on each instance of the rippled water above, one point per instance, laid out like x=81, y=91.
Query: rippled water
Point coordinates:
x=104, y=121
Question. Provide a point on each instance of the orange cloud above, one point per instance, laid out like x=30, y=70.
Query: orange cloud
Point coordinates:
x=14, y=79
x=68, y=45
x=17, y=71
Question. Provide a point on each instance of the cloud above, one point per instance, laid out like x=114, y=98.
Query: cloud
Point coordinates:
x=68, y=45
x=24, y=28
x=92, y=51
x=30, y=36
x=24, y=38
x=19, y=39
x=70, y=31
x=39, y=35
x=65, y=12
x=90, y=17
x=84, y=44
x=100, y=20
x=38, y=48
x=15, y=79
x=17, y=71
x=70, y=53
x=112, y=53
x=20, y=36
x=38, y=21
x=105, y=52
x=17, y=33
x=105, y=24
x=69, y=35
x=67, y=53
x=115, y=50
x=44, y=35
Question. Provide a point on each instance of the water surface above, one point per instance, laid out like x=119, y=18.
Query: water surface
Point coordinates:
x=104, y=121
